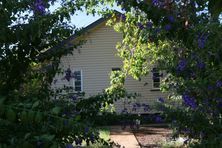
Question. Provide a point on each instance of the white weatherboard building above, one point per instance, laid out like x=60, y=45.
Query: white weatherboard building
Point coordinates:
x=93, y=62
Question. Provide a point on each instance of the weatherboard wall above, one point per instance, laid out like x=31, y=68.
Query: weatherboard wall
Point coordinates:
x=96, y=58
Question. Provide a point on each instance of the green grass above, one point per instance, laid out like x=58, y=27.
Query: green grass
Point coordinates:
x=104, y=133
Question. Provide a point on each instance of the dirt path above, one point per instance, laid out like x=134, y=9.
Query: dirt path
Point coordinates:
x=123, y=138
x=148, y=136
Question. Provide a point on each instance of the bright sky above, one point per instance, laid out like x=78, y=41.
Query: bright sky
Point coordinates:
x=81, y=19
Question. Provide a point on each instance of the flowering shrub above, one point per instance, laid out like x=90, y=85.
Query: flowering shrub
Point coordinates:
x=184, y=39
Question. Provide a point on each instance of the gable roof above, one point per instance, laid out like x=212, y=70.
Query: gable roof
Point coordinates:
x=84, y=30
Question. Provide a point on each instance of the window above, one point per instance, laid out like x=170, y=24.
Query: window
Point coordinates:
x=156, y=78
x=77, y=83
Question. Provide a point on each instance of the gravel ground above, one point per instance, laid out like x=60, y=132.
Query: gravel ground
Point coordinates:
x=151, y=136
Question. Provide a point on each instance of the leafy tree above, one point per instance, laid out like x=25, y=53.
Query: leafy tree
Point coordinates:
x=29, y=117
x=183, y=38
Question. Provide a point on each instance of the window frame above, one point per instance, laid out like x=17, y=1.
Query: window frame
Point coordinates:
x=74, y=80
x=159, y=77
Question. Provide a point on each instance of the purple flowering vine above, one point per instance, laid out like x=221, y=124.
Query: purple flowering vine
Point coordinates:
x=123, y=17
x=167, y=27
x=182, y=65
x=39, y=6
x=219, y=83
x=69, y=145
x=189, y=101
x=149, y=25
x=155, y=2
x=134, y=107
x=200, y=65
x=158, y=119
x=92, y=138
x=202, y=39
x=146, y=107
x=68, y=75
x=161, y=100
x=140, y=25
x=210, y=87
x=73, y=97
x=125, y=111
x=171, y=19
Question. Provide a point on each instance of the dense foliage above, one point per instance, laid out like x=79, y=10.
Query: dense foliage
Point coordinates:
x=183, y=39
x=180, y=37
x=29, y=117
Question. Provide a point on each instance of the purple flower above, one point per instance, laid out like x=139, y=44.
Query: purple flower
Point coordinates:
x=73, y=97
x=218, y=83
x=140, y=25
x=171, y=19
x=123, y=17
x=189, y=101
x=158, y=119
x=155, y=2
x=219, y=105
x=86, y=130
x=138, y=104
x=200, y=65
x=39, y=6
x=161, y=100
x=167, y=27
x=124, y=110
x=69, y=145
x=202, y=40
x=146, y=108
x=182, y=65
x=210, y=87
x=68, y=74
x=92, y=138
x=149, y=25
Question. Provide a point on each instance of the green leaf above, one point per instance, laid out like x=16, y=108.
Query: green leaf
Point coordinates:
x=2, y=110
x=38, y=117
x=11, y=115
x=78, y=118
x=56, y=110
x=27, y=136
x=27, y=145
x=47, y=137
x=36, y=104
x=54, y=145
x=2, y=99
x=31, y=116
x=24, y=117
